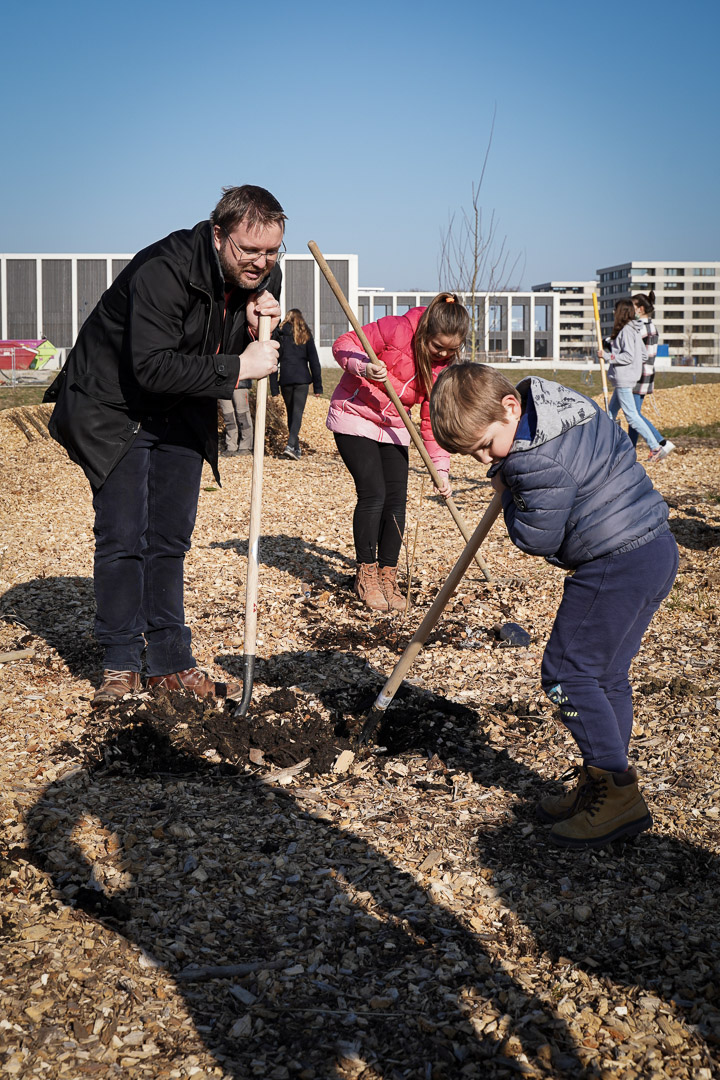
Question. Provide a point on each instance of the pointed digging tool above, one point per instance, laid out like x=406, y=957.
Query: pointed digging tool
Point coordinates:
x=391, y=393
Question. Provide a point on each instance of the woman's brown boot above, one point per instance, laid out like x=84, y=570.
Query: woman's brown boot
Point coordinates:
x=389, y=586
x=367, y=587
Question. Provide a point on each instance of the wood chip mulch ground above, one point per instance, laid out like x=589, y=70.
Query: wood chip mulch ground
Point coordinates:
x=186, y=894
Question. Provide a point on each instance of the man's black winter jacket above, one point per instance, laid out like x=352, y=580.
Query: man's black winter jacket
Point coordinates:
x=150, y=346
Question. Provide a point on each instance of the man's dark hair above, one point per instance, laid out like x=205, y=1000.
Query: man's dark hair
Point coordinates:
x=253, y=205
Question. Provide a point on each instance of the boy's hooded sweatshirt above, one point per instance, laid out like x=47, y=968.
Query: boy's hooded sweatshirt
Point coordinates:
x=628, y=355
x=576, y=490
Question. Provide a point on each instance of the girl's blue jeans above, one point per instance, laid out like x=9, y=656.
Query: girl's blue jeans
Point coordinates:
x=607, y=606
x=623, y=398
x=639, y=400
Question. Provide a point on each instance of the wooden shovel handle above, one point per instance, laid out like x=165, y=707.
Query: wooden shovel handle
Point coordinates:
x=598, y=333
x=253, y=563
x=438, y=605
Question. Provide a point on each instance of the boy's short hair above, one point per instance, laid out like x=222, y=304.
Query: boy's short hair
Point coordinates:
x=465, y=400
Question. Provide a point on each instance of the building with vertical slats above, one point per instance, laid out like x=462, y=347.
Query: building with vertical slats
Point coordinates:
x=50, y=296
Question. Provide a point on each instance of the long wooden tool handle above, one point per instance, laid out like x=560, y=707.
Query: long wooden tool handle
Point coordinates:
x=598, y=332
x=391, y=393
x=253, y=564
x=439, y=603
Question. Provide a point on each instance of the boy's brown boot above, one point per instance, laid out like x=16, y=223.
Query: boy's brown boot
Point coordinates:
x=611, y=807
x=389, y=586
x=558, y=807
x=367, y=587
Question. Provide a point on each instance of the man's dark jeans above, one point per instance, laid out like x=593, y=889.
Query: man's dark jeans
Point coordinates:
x=144, y=518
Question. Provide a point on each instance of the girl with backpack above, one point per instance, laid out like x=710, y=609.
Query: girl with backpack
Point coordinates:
x=411, y=350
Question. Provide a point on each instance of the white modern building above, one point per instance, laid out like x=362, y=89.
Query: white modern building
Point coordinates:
x=687, y=303
x=508, y=325
x=52, y=295
x=577, y=336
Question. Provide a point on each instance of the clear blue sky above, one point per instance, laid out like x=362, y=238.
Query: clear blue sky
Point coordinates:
x=369, y=122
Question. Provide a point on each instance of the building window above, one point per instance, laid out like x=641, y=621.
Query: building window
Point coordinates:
x=518, y=347
x=333, y=322
x=703, y=300
x=56, y=320
x=673, y=271
x=704, y=329
x=704, y=271
x=675, y=328
x=675, y=285
x=518, y=319
x=674, y=343
x=22, y=299
x=704, y=286
x=674, y=299
x=300, y=289
x=118, y=265
x=641, y=271
x=541, y=348
x=703, y=315
x=495, y=344
x=495, y=317
x=542, y=317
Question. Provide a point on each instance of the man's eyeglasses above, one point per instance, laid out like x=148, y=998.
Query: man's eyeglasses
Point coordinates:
x=251, y=256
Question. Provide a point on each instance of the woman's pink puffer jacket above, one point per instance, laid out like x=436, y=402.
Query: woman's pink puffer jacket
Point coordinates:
x=361, y=407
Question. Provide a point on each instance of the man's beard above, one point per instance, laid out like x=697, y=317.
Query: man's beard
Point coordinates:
x=234, y=275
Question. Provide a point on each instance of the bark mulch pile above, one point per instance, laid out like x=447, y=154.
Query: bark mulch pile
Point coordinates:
x=189, y=894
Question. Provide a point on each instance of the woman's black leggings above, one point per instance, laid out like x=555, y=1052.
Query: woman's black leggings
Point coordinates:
x=380, y=472
x=294, y=398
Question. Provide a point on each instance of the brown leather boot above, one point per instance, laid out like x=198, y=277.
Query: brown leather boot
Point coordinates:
x=389, y=586
x=611, y=807
x=558, y=807
x=194, y=681
x=367, y=587
x=115, y=686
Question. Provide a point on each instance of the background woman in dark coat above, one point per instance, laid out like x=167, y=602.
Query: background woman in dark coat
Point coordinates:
x=298, y=366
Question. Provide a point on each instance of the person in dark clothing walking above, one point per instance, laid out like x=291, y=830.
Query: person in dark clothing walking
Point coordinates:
x=298, y=366
x=136, y=408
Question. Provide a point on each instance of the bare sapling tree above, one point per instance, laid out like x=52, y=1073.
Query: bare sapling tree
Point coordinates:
x=474, y=261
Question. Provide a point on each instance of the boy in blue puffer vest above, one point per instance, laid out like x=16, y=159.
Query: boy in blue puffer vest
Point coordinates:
x=574, y=492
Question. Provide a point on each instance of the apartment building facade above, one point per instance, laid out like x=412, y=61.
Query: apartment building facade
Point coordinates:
x=577, y=337
x=687, y=303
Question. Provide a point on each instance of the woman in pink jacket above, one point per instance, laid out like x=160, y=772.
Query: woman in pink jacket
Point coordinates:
x=411, y=351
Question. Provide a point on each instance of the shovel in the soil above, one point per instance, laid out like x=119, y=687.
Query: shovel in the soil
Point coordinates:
x=251, y=587
x=422, y=633
x=391, y=393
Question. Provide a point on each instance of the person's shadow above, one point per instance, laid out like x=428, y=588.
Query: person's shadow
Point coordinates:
x=352, y=962
x=642, y=915
x=61, y=611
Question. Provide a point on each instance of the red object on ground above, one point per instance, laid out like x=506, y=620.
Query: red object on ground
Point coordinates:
x=24, y=354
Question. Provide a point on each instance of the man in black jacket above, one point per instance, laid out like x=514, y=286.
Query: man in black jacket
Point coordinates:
x=136, y=408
